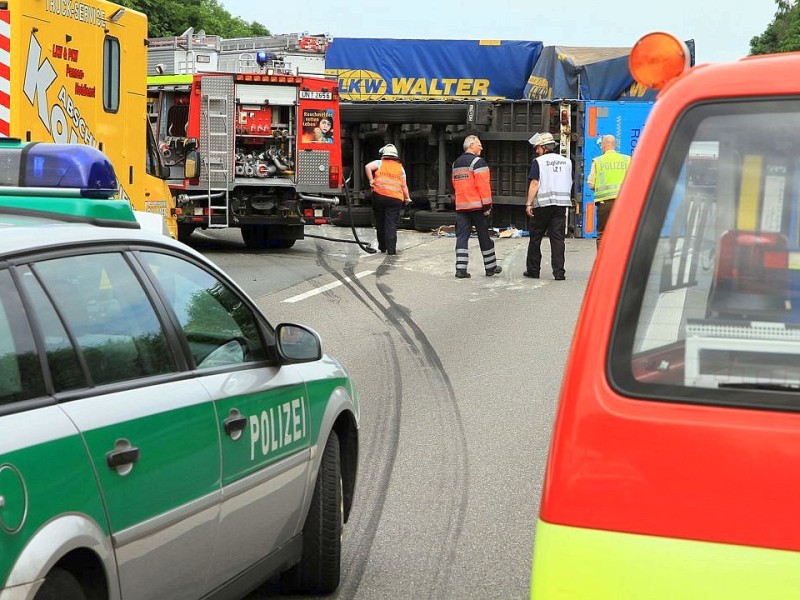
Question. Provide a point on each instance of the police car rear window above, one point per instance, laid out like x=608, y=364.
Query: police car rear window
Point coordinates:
x=710, y=311
x=109, y=316
x=20, y=371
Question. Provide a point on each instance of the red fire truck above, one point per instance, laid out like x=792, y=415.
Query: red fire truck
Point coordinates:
x=259, y=151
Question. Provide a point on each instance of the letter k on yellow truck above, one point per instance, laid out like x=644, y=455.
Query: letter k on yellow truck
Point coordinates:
x=74, y=71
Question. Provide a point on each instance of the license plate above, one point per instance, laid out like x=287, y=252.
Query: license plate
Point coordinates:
x=312, y=95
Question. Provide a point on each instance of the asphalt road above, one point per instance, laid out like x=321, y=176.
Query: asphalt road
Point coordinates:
x=458, y=381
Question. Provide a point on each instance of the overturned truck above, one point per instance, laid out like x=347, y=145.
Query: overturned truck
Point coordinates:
x=430, y=135
x=425, y=96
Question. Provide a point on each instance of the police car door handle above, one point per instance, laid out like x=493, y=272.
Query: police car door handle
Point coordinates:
x=235, y=424
x=123, y=455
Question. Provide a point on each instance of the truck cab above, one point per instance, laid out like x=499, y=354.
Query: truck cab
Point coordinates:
x=670, y=472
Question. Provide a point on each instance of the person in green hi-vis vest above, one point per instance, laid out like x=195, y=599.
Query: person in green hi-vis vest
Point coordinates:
x=605, y=178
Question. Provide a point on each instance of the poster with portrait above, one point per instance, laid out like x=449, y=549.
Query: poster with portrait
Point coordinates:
x=317, y=126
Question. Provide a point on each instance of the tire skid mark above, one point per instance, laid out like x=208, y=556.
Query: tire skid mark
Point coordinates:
x=458, y=457
x=387, y=433
x=331, y=295
x=455, y=464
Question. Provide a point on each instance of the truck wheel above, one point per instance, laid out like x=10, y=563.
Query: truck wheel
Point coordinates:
x=362, y=216
x=185, y=232
x=425, y=220
x=60, y=585
x=282, y=243
x=253, y=236
x=407, y=218
x=319, y=570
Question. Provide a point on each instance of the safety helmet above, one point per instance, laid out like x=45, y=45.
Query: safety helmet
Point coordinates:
x=542, y=139
x=388, y=150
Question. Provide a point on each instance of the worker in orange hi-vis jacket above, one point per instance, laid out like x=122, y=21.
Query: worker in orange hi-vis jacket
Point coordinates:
x=387, y=178
x=473, y=192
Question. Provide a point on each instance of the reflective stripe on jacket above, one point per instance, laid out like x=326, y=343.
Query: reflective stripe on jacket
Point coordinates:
x=471, y=183
x=555, y=180
x=610, y=169
x=388, y=179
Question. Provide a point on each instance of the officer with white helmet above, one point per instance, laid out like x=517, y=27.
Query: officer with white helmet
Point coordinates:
x=387, y=177
x=549, y=196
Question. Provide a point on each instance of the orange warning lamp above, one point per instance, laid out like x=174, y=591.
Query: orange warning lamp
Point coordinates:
x=657, y=58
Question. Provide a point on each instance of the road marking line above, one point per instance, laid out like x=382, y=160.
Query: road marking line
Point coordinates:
x=326, y=287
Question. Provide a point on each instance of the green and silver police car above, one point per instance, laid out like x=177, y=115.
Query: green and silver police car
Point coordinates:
x=159, y=439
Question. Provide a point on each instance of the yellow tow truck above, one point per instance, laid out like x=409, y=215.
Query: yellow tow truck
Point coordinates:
x=75, y=72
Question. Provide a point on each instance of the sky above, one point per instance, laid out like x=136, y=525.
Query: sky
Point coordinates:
x=721, y=29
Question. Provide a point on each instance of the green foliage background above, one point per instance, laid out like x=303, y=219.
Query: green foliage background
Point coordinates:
x=783, y=34
x=173, y=17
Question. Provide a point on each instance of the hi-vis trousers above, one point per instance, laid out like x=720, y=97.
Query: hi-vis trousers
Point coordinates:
x=465, y=219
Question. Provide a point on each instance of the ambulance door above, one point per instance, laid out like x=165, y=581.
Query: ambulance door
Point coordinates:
x=262, y=412
x=150, y=432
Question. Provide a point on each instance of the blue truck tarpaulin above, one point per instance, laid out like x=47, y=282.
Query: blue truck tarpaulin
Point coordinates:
x=586, y=73
x=395, y=69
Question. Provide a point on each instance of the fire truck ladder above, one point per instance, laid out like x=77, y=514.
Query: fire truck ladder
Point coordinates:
x=219, y=151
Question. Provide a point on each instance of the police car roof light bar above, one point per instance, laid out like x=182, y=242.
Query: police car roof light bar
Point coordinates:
x=65, y=169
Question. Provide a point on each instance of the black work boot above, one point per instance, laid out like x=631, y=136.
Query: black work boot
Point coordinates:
x=462, y=275
x=495, y=271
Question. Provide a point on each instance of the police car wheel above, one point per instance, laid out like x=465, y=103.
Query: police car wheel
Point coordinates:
x=60, y=585
x=319, y=570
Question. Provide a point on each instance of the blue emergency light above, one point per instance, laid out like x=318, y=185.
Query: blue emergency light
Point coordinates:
x=64, y=169
x=68, y=182
x=262, y=57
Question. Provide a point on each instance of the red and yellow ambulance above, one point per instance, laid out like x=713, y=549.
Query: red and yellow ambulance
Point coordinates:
x=673, y=470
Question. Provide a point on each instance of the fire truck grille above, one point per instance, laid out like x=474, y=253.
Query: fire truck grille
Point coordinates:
x=312, y=167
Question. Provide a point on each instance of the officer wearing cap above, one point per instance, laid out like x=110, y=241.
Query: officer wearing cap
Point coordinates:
x=605, y=178
x=389, y=192
x=549, y=196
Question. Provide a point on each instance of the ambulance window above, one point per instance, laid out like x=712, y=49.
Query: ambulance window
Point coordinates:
x=220, y=328
x=712, y=296
x=20, y=369
x=111, y=74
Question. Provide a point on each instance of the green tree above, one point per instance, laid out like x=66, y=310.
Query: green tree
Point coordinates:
x=783, y=34
x=173, y=17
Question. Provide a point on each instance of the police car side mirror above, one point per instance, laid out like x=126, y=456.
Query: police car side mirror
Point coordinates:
x=297, y=343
